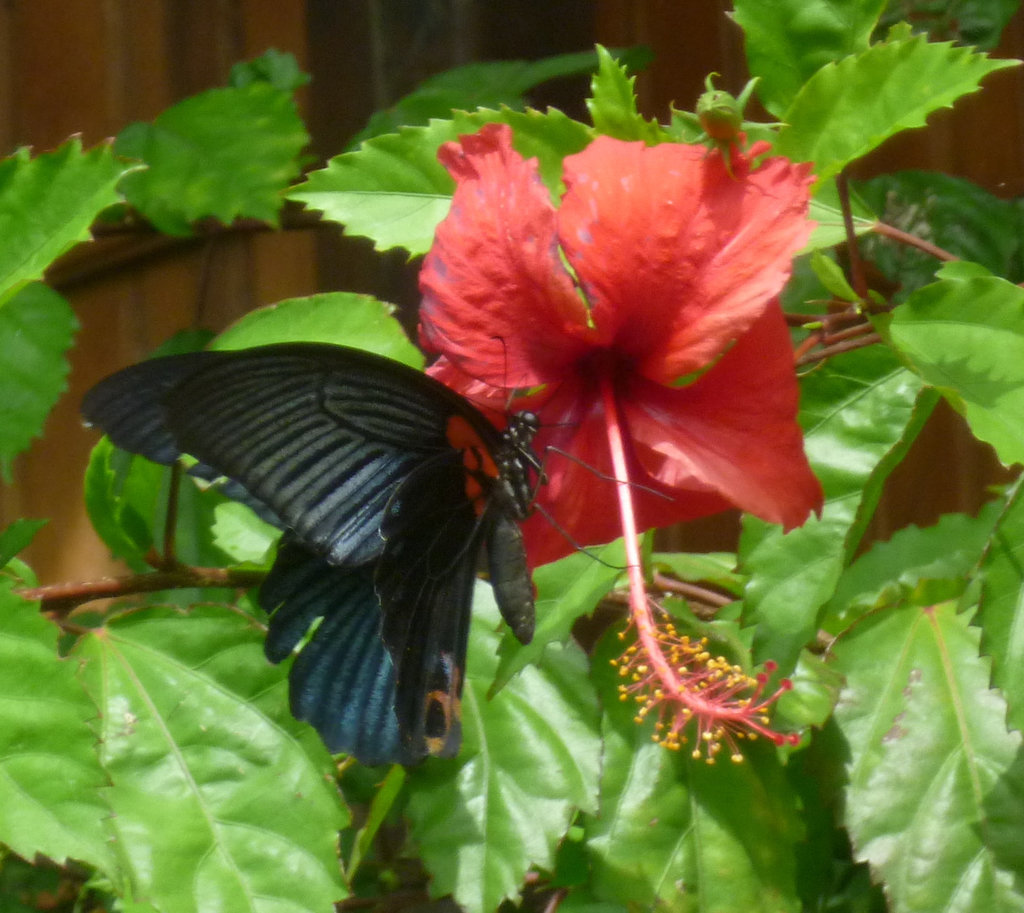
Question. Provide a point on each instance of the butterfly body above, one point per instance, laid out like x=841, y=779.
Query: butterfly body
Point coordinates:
x=388, y=484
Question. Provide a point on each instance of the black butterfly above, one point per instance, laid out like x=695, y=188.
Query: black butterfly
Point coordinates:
x=386, y=483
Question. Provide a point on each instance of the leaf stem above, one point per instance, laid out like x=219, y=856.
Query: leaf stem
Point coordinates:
x=889, y=231
x=848, y=345
x=62, y=598
x=859, y=280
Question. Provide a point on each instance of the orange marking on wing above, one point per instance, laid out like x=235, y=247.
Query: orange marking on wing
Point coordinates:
x=446, y=705
x=475, y=457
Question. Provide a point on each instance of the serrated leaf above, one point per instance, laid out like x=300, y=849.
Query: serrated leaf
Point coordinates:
x=393, y=189
x=966, y=338
x=1001, y=614
x=788, y=40
x=486, y=84
x=848, y=108
x=221, y=802
x=860, y=412
x=341, y=318
x=49, y=772
x=675, y=833
x=225, y=153
x=36, y=329
x=47, y=205
x=936, y=790
x=612, y=103
x=566, y=590
x=530, y=757
x=952, y=548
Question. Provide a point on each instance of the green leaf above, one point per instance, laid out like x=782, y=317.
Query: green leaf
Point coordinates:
x=860, y=413
x=47, y=204
x=395, y=191
x=110, y=503
x=978, y=23
x=241, y=535
x=952, y=214
x=279, y=69
x=226, y=153
x=787, y=41
x=17, y=537
x=486, y=84
x=718, y=568
x=36, y=329
x=342, y=318
x=832, y=277
x=849, y=108
x=936, y=788
x=126, y=497
x=813, y=696
x=49, y=774
x=566, y=590
x=951, y=549
x=676, y=833
x=530, y=757
x=1001, y=614
x=612, y=103
x=220, y=800
x=380, y=807
x=966, y=338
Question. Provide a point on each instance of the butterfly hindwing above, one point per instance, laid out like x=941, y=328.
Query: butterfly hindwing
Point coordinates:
x=342, y=681
x=425, y=579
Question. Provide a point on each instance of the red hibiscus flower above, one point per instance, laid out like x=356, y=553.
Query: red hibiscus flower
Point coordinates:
x=642, y=316
x=645, y=301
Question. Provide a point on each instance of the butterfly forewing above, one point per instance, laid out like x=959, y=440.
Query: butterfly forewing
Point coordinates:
x=291, y=424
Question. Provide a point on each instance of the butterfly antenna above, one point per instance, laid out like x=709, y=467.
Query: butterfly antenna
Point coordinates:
x=568, y=538
x=597, y=472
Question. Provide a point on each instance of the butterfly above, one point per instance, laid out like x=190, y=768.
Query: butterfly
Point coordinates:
x=387, y=485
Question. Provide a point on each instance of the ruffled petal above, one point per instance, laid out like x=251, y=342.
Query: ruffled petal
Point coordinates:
x=676, y=256
x=497, y=300
x=733, y=430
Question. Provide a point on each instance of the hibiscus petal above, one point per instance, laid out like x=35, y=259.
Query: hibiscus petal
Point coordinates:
x=733, y=430
x=676, y=256
x=579, y=504
x=497, y=299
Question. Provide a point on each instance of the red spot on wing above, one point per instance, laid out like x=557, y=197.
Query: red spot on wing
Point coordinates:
x=476, y=457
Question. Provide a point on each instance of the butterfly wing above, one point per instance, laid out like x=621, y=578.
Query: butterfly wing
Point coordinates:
x=424, y=581
x=351, y=453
